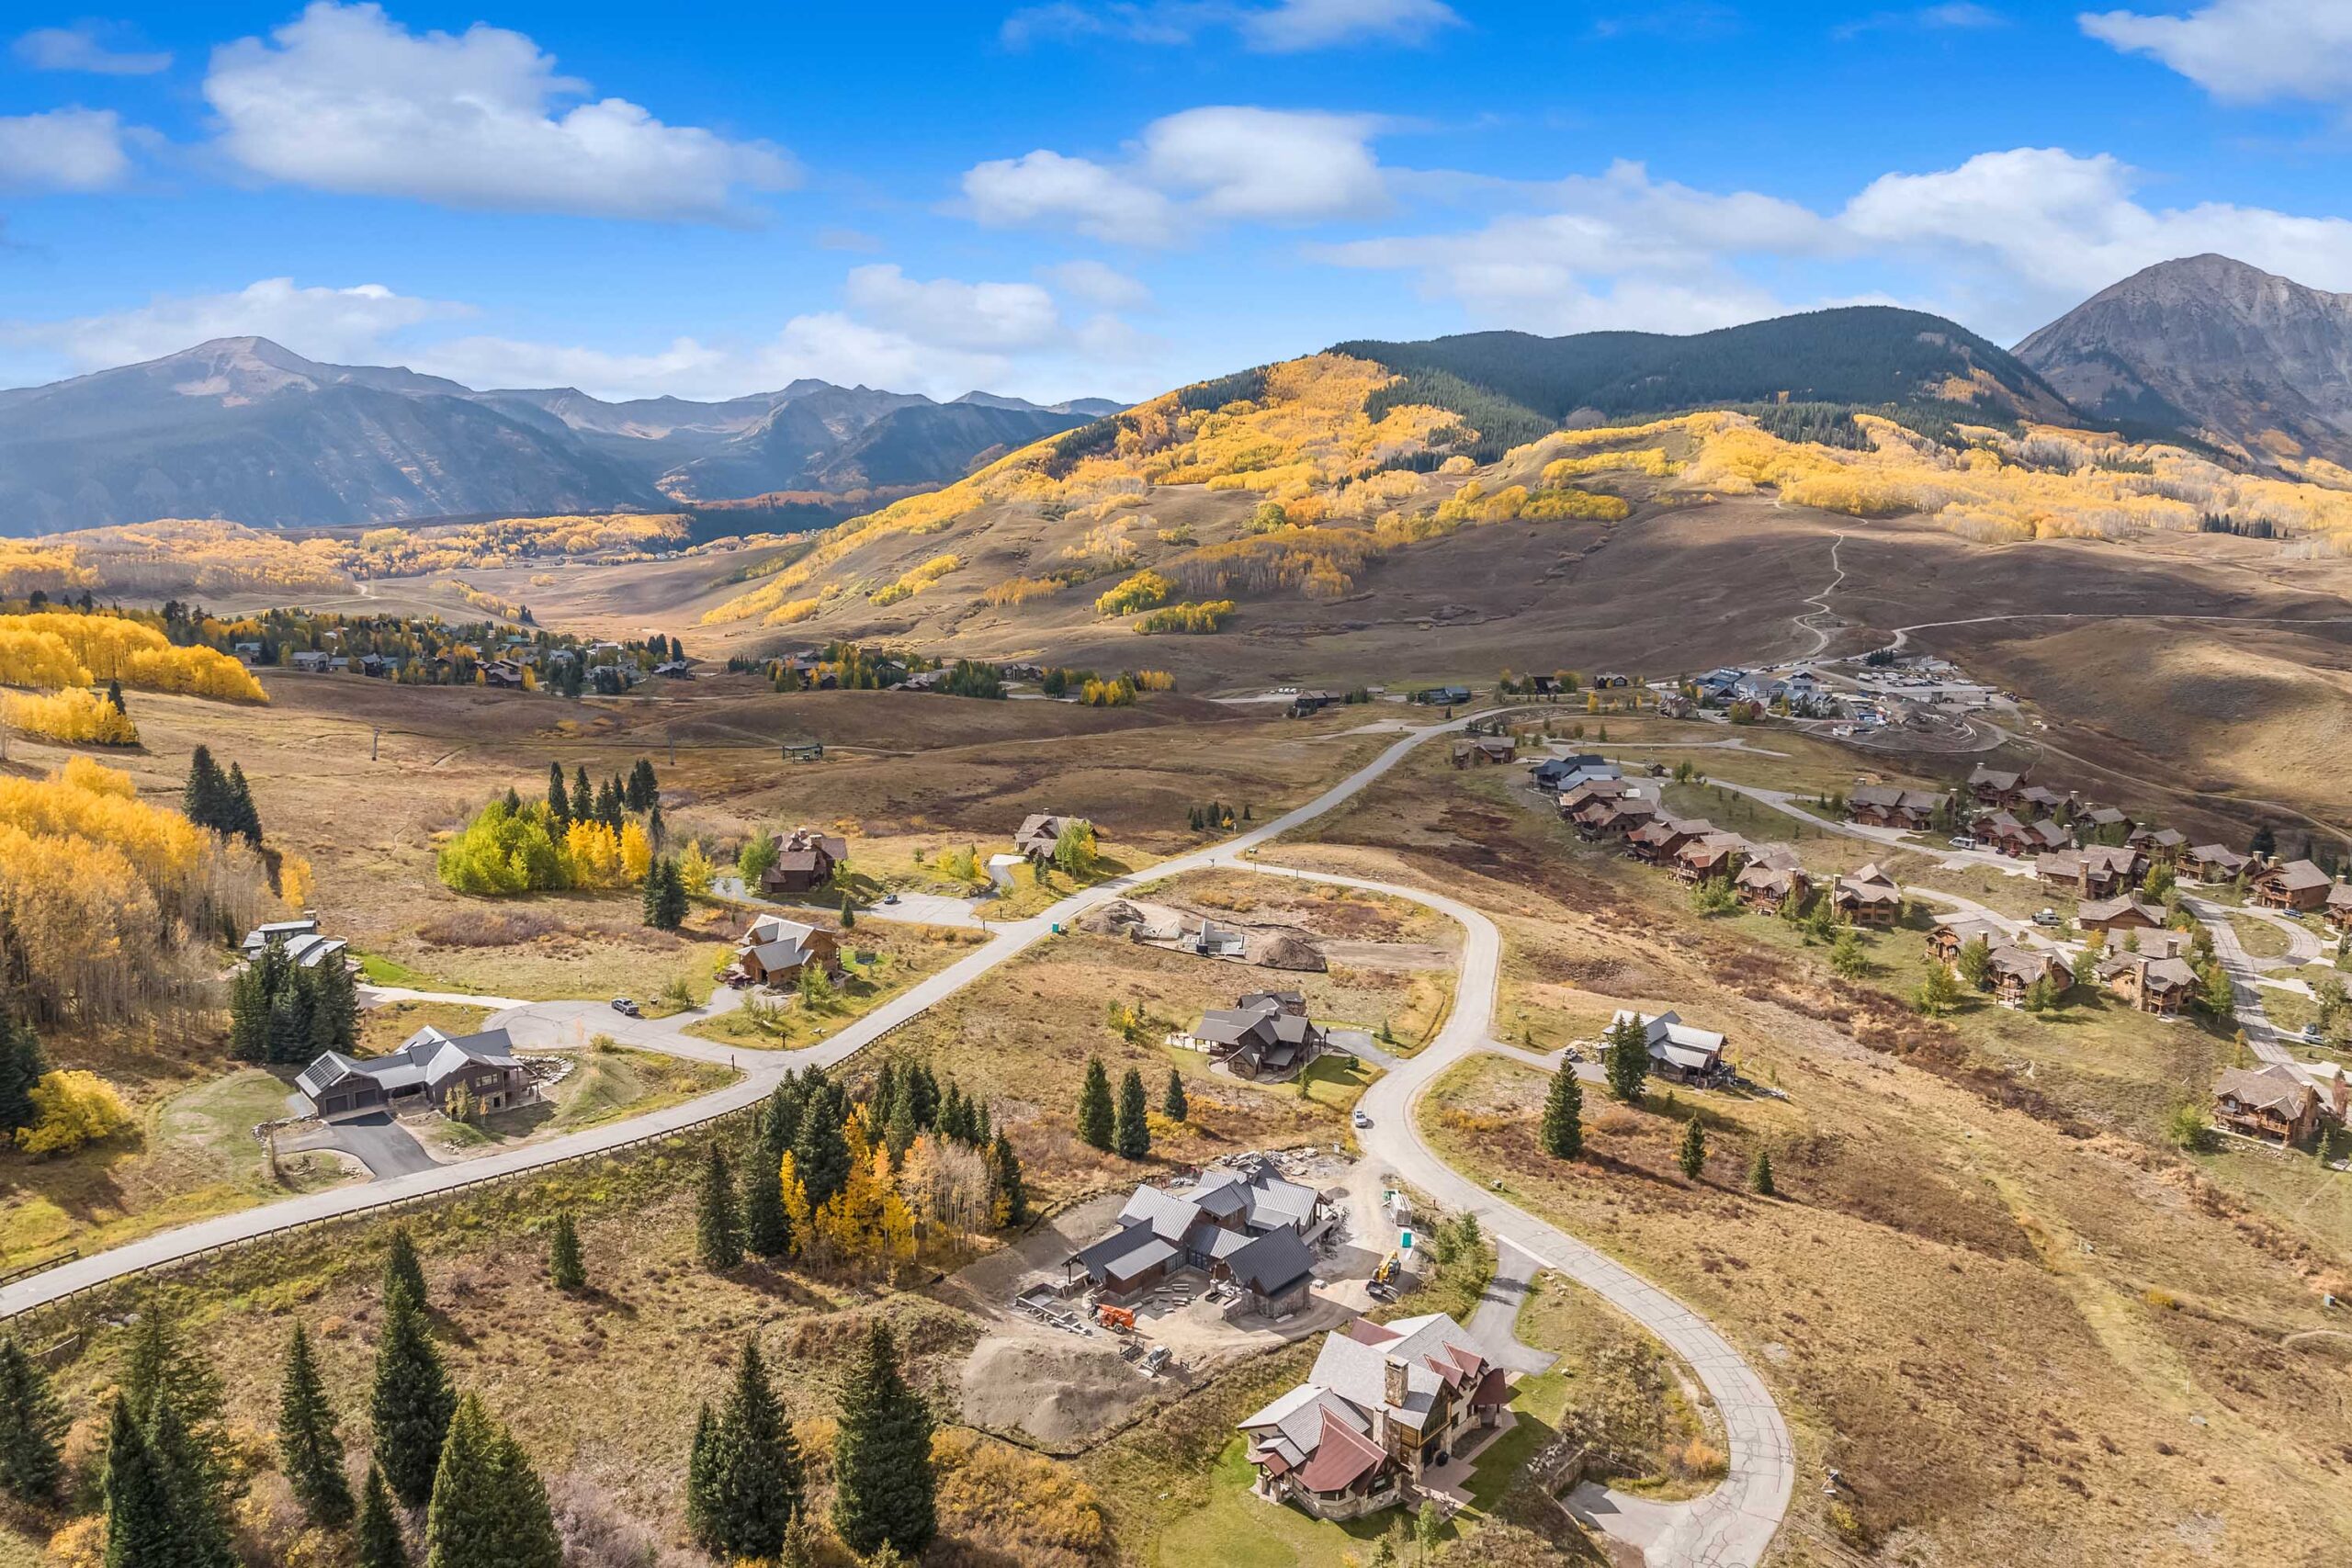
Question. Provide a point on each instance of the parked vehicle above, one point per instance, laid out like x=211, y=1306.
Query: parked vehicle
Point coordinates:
x=1962, y=841
x=627, y=1008
x=2312, y=1036
x=889, y=898
x=2047, y=918
x=1361, y=1120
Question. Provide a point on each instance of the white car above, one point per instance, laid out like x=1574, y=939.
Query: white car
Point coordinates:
x=1962, y=841
x=1361, y=1120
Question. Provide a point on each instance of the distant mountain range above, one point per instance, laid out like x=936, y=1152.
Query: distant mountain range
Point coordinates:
x=245, y=429
x=2214, y=350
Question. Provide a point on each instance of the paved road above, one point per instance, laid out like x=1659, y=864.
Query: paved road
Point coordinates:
x=2262, y=1036
x=1733, y=1525
x=1730, y=1528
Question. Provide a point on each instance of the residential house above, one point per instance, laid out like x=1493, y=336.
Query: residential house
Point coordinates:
x=1265, y=1034
x=1869, y=898
x=1306, y=703
x=2001, y=831
x=2163, y=846
x=1884, y=805
x=676, y=669
x=480, y=1069
x=246, y=652
x=1954, y=932
x=2339, y=906
x=1993, y=787
x=311, y=661
x=773, y=950
x=2105, y=821
x=1659, y=840
x=1039, y=832
x=375, y=665
x=1771, y=879
x=1557, y=775
x=1709, y=856
x=2271, y=1102
x=503, y=672
x=2153, y=974
x=1678, y=1051
x=1383, y=1404
x=2292, y=885
x=1211, y=1228
x=1480, y=750
x=301, y=941
x=806, y=860
x=2032, y=800
x=261, y=936
x=2121, y=913
x=2098, y=871
x=1616, y=813
x=1610, y=680
x=2015, y=969
x=2213, y=862
x=1443, y=696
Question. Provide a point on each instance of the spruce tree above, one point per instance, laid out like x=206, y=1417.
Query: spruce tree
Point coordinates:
x=310, y=1451
x=1095, y=1119
x=244, y=820
x=22, y=1063
x=702, y=1465
x=821, y=1152
x=884, y=1492
x=412, y=1401
x=923, y=1095
x=142, y=1526
x=1011, y=1191
x=114, y=697
x=584, y=796
x=780, y=1122
x=205, y=799
x=199, y=1518
x=159, y=1370
x=558, y=799
x=1626, y=1057
x=752, y=1482
x=718, y=1225
x=767, y=1227
x=403, y=1268
x=1563, y=1127
x=899, y=1129
x=1172, y=1105
x=1760, y=1172
x=566, y=1271
x=1133, y=1133
x=490, y=1508
x=1692, y=1155
x=380, y=1543
x=671, y=912
x=30, y=1424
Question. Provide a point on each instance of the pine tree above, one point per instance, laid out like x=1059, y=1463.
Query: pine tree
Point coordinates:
x=767, y=1227
x=752, y=1474
x=1172, y=1103
x=403, y=1268
x=1692, y=1155
x=310, y=1451
x=820, y=1153
x=160, y=1371
x=1563, y=1127
x=412, y=1401
x=114, y=697
x=718, y=1226
x=923, y=1095
x=244, y=820
x=558, y=799
x=1626, y=1057
x=205, y=799
x=490, y=1508
x=1094, y=1115
x=899, y=1129
x=1760, y=1172
x=584, y=796
x=142, y=1526
x=30, y=1424
x=702, y=1465
x=1011, y=1191
x=1132, y=1133
x=780, y=1122
x=884, y=1489
x=672, y=912
x=566, y=1272
x=199, y=1521
x=380, y=1543
x=22, y=1063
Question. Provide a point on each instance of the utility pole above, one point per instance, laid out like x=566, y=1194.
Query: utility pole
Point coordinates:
x=374, y=741
x=672, y=736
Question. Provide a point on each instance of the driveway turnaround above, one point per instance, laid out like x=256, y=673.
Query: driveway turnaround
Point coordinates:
x=376, y=1141
x=1730, y=1528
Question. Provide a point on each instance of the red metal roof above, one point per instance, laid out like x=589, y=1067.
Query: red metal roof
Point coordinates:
x=1343, y=1457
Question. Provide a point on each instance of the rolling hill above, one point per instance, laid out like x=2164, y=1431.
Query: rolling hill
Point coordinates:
x=243, y=428
x=2211, y=349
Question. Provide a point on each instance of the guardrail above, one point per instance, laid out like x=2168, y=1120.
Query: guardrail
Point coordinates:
x=440, y=1194
x=43, y=1267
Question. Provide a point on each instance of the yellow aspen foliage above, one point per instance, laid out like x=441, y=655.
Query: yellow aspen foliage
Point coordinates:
x=31, y=657
x=636, y=853
x=296, y=881
x=72, y=1109
x=43, y=565
x=795, y=1204
x=695, y=870
x=913, y=582
x=76, y=715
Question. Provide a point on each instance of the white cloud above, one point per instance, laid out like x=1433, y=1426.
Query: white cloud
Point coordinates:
x=85, y=47
x=1284, y=27
x=1190, y=170
x=2007, y=240
x=980, y=316
x=73, y=149
x=1097, y=283
x=343, y=98
x=2244, y=50
x=336, y=325
x=1954, y=17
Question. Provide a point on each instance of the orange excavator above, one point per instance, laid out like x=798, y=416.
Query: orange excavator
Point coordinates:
x=1121, y=1318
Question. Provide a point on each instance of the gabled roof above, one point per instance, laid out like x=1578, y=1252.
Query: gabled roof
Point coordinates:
x=1671, y=1039
x=2272, y=1087
x=2295, y=876
x=1272, y=1263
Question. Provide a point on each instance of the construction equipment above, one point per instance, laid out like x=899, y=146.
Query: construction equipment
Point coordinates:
x=1390, y=1267
x=1121, y=1318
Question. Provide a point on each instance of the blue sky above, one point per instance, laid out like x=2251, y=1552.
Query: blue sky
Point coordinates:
x=1089, y=197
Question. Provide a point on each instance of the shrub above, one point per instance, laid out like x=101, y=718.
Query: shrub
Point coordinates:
x=72, y=1109
x=1144, y=591
x=1189, y=619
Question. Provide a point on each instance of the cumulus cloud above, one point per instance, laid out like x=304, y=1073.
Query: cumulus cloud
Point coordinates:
x=343, y=98
x=944, y=310
x=2007, y=240
x=73, y=149
x=2246, y=51
x=88, y=46
x=1098, y=283
x=330, y=325
x=1191, y=171
x=1285, y=27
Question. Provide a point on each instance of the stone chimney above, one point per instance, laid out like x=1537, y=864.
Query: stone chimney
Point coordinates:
x=1392, y=1387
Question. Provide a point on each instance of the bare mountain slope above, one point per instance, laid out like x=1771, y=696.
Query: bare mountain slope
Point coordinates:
x=2209, y=348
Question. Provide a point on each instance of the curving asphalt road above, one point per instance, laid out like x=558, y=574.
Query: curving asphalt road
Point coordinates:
x=1731, y=1528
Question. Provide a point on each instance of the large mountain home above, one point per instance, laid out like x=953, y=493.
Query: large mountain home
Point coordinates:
x=1992, y=787
x=1771, y=879
x=1481, y=750
x=2014, y=970
x=1710, y=856
x=1557, y=775
x=299, y=940
x=2213, y=862
x=2120, y=913
x=1884, y=805
x=806, y=860
x=1953, y=932
x=2271, y=1102
x=2339, y=906
x=1678, y=1050
x=2098, y=871
x=1384, y=1403
x=1658, y=840
x=1264, y=1034
x=1869, y=898
x=1250, y=1225
x=478, y=1070
x=1039, y=832
x=2292, y=885
x=2163, y=846
x=773, y=950
x=2153, y=975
